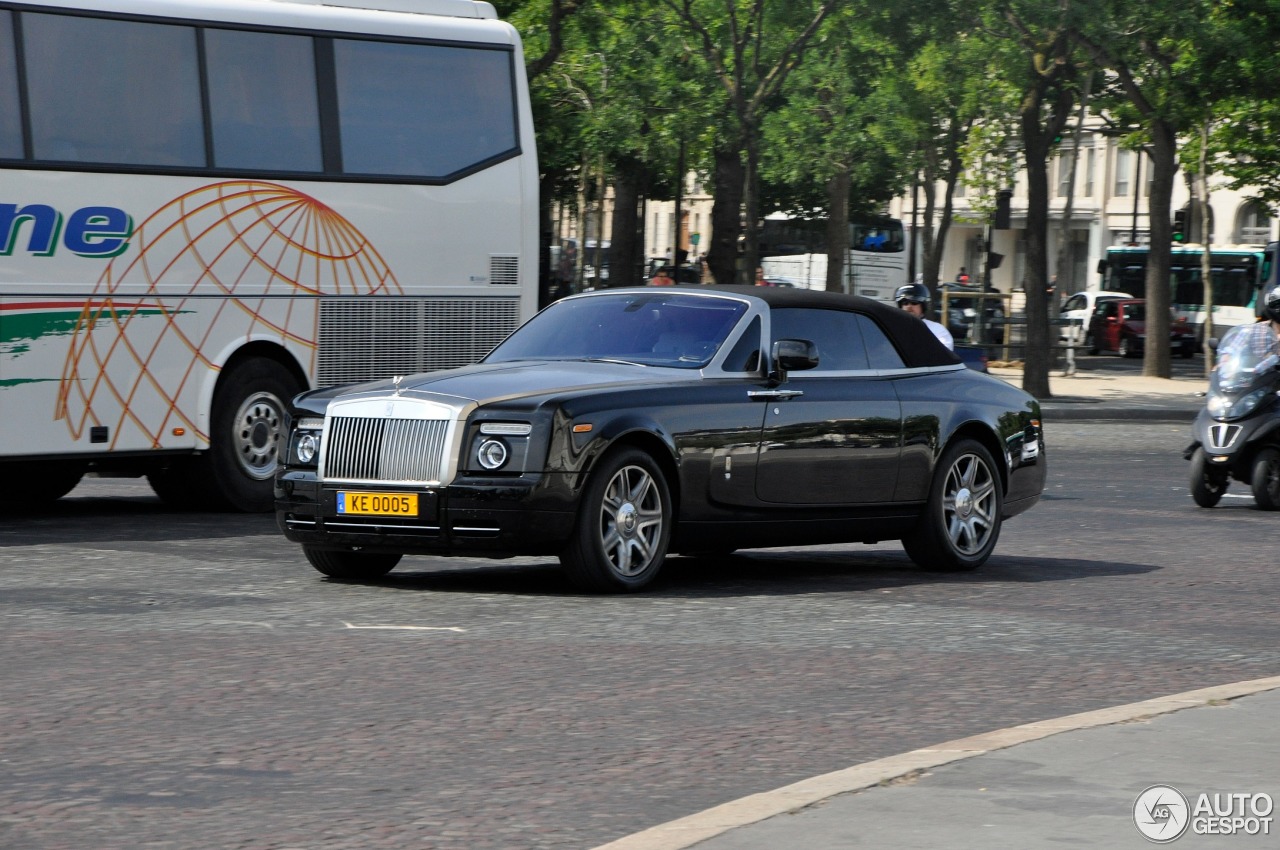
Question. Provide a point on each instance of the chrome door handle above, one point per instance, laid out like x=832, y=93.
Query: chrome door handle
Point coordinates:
x=771, y=395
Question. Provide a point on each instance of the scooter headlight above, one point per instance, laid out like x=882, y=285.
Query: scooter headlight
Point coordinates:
x=1221, y=407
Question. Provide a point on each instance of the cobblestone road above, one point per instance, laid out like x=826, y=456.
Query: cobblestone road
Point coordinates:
x=186, y=681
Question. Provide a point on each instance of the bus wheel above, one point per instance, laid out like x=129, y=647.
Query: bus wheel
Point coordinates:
x=248, y=434
x=41, y=483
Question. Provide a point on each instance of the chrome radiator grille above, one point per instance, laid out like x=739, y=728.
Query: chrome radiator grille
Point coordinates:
x=392, y=450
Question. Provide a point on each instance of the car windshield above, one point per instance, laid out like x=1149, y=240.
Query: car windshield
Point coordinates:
x=649, y=328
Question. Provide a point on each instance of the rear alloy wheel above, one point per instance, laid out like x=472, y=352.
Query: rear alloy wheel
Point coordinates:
x=1208, y=484
x=351, y=566
x=1126, y=347
x=1266, y=479
x=961, y=522
x=624, y=525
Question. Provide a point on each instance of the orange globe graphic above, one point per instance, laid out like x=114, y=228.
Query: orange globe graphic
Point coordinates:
x=204, y=273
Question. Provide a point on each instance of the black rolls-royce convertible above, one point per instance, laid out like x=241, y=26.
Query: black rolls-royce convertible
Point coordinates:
x=618, y=426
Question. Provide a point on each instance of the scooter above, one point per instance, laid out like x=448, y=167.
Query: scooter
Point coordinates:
x=1237, y=434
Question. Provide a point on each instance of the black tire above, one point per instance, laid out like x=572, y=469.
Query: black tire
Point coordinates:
x=1266, y=479
x=39, y=482
x=1091, y=344
x=1207, y=484
x=247, y=435
x=1188, y=351
x=961, y=522
x=175, y=484
x=624, y=525
x=351, y=566
x=1126, y=347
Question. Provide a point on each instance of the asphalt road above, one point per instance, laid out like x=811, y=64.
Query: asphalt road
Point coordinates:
x=187, y=681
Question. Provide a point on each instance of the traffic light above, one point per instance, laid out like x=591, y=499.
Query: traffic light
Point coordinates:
x=1001, y=219
x=994, y=260
x=1179, y=225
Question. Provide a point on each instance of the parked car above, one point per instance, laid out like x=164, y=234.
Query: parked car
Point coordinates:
x=961, y=305
x=1120, y=325
x=1077, y=310
x=973, y=356
x=617, y=426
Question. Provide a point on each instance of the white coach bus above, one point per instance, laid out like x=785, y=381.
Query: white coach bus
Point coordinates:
x=207, y=206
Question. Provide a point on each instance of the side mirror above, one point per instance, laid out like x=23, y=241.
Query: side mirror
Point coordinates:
x=1213, y=343
x=792, y=355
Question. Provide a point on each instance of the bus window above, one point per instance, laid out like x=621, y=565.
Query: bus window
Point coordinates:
x=113, y=91
x=262, y=100
x=422, y=110
x=10, y=121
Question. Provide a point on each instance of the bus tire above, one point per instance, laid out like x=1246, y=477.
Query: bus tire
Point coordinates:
x=247, y=435
x=37, y=484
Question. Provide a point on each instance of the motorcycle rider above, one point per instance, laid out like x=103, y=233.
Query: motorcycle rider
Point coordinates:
x=915, y=299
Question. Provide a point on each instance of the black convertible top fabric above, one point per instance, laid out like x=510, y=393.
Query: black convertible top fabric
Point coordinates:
x=913, y=339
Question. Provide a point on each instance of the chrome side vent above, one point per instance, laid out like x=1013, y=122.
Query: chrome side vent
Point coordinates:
x=504, y=270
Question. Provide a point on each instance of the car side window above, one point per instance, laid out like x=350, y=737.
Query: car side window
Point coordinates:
x=745, y=354
x=880, y=351
x=836, y=333
x=1075, y=302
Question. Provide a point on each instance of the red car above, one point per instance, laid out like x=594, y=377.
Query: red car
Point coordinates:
x=1120, y=325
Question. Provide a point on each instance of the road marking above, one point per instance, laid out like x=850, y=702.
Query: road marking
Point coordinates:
x=406, y=628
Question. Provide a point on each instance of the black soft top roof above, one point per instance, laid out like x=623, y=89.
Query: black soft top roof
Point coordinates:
x=913, y=339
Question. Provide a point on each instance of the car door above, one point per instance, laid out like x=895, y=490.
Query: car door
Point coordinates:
x=1108, y=325
x=831, y=435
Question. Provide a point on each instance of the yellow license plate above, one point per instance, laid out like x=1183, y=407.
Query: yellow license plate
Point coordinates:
x=378, y=504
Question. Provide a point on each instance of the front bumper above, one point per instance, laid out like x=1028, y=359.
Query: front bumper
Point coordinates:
x=530, y=515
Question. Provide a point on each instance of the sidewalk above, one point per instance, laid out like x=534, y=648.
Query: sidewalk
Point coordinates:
x=1070, y=781
x=1073, y=781
x=1112, y=395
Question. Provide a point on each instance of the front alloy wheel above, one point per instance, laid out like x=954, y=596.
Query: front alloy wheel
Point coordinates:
x=624, y=525
x=961, y=522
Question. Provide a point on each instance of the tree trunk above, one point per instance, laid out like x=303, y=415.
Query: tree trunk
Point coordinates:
x=625, y=249
x=1164, y=168
x=546, y=235
x=1035, y=362
x=750, y=203
x=838, y=230
x=726, y=215
x=1206, y=256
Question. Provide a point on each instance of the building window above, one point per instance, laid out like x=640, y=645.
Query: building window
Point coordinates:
x=1088, y=173
x=1124, y=165
x=1255, y=224
x=1065, y=159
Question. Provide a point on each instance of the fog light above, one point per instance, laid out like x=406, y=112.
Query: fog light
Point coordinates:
x=308, y=445
x=492, y=454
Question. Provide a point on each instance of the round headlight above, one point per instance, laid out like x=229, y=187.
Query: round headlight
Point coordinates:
x=308, y=446
x=492, y=454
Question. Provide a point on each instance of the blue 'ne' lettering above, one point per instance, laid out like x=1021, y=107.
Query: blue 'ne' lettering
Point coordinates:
x=97, y=232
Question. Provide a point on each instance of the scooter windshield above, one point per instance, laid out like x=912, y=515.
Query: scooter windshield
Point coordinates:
x=1246, y=354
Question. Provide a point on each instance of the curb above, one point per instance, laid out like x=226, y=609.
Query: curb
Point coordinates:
x=692, y=829
x=1086, y=413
